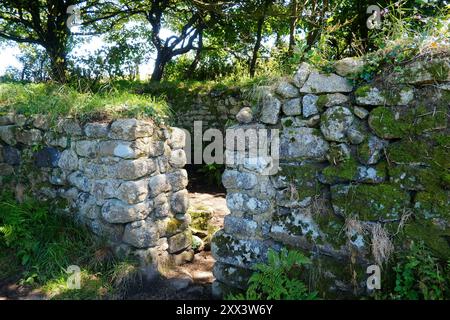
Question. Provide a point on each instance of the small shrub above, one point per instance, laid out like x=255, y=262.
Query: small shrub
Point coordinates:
x=279, y=279
x=419, y=276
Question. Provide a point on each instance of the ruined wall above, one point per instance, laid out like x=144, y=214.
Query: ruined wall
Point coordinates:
x=215, y=108
x=123, y=179
x=363, y=171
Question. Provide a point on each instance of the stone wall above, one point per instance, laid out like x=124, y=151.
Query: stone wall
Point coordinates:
x=363, y=172
x=215, y=108
x=124, y=179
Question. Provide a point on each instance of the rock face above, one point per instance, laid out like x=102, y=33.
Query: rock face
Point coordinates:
x=336, y=122
x=320, y=83
x=349, y=66
x=349, y=165
x=123, y=179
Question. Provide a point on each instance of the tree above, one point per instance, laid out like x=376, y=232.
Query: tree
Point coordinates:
x=44, y=23
x=185, y=18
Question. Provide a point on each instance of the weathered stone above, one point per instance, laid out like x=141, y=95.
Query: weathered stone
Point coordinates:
x=371, y=151
x=141, y=234
x=241, y=253
x=300, y=184
x=271, y=107
x=41, y=121
x=7, y=134
x=302, y=74
x=116, y=211
x=130, y=129
x=178, y=179
x=297, y=122
x=240, y=226
x=239, y=202
x=7, y=119
x=369, y=202
x=87, y=148
x=179, y=202
x=335, y=123
x=112, y=232
x=55, y=140
x=161, y=206
x=198, y=245
x=133, y=169
x=320, y=83
x=11, y=156
x=178, y=158
x=294, y=228
x=86, y=206
x=245, y=115
x=302, y=143
x=6, y=170
x=310, y=105
x=133, y=192
x=287, y=90
x=179, y=242
x=372, y=96
x=360, y=112
x=349, y=66
x=48, y=157
x=68, y=160
x=235, y=276
x=96, y=130
x=158, y=184
x=104, y=189
x=177, y=138
x=429, y=71
x=332, y=100
x=58, y=177
x=292, y=107
x=20, y=120
x=79, y=180
x=351, y=171
x=355, y=135
x=232, y=179
x=69, y=126
x=29, y=137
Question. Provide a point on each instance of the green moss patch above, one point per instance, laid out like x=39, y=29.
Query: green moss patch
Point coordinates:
x=434, y=204
x=369, y=202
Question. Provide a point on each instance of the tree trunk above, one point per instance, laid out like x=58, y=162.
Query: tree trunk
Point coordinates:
x=252, y=69
x=292, y=26
x=198, y=54
x=58, y=65
x=160, y=64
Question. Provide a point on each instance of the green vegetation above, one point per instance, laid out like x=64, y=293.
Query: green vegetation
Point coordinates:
x=418, y=275
x=278, y=279
x=38, y=243
x=57, y=101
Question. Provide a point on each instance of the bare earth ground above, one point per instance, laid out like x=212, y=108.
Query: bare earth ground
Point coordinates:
x=190, y=281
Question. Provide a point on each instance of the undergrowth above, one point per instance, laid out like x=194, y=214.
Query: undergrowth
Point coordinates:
x=39, y=244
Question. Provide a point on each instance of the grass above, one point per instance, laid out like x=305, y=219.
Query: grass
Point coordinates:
x=38, y=244
x=62, y=100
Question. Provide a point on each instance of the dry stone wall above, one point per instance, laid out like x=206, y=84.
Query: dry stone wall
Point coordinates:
x=124, y=179
x=363, y=172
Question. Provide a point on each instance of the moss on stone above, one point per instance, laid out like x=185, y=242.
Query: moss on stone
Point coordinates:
x=385, y=124
x=363, y=91
x=343, y=172
x=370, y=202
x=435, y=204
x=438, y=69
x=332, y=227
x=434, y=237
x=322, y=101
x=303, y=178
